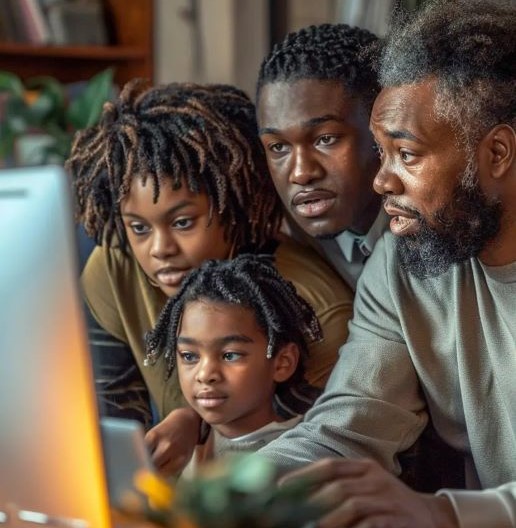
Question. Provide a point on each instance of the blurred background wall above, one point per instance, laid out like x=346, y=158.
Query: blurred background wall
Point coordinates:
x=60, y=55
x=225, y=40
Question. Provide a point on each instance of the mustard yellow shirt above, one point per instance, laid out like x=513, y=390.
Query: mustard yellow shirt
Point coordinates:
x=126, y=305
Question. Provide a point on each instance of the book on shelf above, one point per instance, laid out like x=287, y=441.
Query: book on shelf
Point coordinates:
x=34, y=22
x=60, y=22
x=5, y=27
x=23, y=21
x=77, y=22
x=13, y=28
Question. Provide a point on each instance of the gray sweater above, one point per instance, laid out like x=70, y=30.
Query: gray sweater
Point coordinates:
x=444, y=346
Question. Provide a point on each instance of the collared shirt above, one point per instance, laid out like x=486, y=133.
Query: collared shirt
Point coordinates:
x=349, y=251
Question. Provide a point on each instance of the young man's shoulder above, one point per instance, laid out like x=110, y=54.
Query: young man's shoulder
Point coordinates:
x=301, y=264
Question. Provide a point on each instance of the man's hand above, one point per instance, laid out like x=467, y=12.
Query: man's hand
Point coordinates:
x=173, y=440
x=361, y=494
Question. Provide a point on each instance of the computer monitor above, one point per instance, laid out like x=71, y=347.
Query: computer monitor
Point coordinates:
x=51, y=465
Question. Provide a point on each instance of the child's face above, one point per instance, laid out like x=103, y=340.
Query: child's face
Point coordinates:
x=223, y=370
x=172, y=236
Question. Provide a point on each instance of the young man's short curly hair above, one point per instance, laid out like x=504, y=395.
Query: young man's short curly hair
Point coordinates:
x=202, y=136
x=469, y=47
x=328, y=52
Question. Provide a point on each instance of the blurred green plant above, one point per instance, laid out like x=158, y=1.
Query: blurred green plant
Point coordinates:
x=239, y=492
x=42, y=106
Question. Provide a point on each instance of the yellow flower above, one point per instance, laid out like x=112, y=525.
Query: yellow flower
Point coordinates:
x=158, y=491
x=30, y=96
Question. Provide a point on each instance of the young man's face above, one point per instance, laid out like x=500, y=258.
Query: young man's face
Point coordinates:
x=320, y=154
x=172, y=236
x=223, y=370
x=423, y=169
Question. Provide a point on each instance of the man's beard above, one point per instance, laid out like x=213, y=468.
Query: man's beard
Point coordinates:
x=462, y=229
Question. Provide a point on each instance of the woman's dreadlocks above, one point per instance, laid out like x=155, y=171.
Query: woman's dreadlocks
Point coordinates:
x=202, y=136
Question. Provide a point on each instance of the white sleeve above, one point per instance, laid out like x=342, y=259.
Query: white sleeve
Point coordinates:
x=490, y=508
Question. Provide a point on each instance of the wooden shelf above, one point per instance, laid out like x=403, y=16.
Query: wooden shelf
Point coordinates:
x=77, y=52
x=131, y=56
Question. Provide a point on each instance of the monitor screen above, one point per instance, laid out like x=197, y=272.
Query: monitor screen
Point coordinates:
x=51, y=466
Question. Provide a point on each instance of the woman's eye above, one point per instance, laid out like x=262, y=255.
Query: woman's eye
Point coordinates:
x=188, y=357
x=327, y=140
x=278, y=148
x=231, y=356
x=138, y=228
x=183, y=223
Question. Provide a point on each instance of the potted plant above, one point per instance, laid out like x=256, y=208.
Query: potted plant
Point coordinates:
x=43, y=114
x=236, y=492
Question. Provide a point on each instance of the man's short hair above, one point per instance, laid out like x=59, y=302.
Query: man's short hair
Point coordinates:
x=328, y=52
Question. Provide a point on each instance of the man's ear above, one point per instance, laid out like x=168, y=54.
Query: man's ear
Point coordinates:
x=497, y=151
x=285, y=362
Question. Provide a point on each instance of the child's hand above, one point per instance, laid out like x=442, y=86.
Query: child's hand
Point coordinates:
x=173, y=440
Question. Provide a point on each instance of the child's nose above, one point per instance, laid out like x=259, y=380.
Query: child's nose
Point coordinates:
x=208, y=372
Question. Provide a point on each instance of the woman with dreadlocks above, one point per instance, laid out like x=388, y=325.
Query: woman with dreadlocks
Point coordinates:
x=238, y=333
x=170, y=177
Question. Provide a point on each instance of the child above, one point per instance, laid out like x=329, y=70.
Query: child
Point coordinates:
x=238, y=333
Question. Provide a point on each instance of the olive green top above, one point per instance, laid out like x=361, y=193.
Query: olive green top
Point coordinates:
x=126, y=305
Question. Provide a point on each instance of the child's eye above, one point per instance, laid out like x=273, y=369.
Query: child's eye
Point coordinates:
x=138, y=228
x=231, y=356
x=188, y=357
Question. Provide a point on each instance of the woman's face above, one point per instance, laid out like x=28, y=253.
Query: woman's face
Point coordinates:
x=174, y=235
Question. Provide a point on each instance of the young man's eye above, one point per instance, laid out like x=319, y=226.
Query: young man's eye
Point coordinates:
x=138, y=228
x=231, y=356
x=183, y=223
x=188, y=357
x=327, y=140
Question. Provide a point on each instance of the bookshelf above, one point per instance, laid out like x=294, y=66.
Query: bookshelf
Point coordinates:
x=130, y=28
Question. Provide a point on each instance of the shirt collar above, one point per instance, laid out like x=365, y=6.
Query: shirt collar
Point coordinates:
x=348, y=240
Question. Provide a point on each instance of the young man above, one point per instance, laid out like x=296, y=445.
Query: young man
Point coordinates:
x=434, y=330
x=314, y=96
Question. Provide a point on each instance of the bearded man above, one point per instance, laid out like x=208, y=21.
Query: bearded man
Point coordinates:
x=434, y=328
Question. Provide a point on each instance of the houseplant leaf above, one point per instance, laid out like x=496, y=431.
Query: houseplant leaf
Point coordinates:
x=86, y=108
x=39, y=111
x=9, y=82
x=16, y=116
x=51, y=101
x=6, y=141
